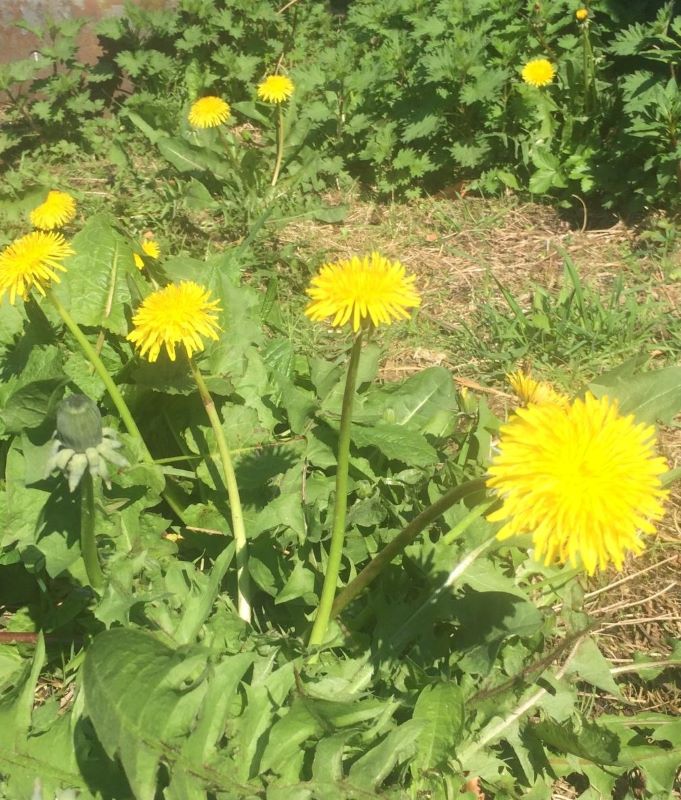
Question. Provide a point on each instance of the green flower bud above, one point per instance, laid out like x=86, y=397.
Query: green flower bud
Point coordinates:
x=79, y=423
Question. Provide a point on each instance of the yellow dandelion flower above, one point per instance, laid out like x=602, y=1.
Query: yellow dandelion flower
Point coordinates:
x=538, y=72
x=149, y=248
x=208, y=112
x=363, y=288
x=275, y=89
x=32, y=261
x=581, y=14
x=58, y=209
x=583, y=480
x=529, y=390
x=177, y=314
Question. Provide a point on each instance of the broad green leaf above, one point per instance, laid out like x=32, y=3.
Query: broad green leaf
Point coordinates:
x=328, y=758
x=198, y=608
x=30, y=405
x=651, y=397
x=95, y=287
x=210, y=725
x=425, y=402
x=588, y=740
x=396, y=442
x=590, y=665
x=369, y=771
x=440, y=707
x=25, y=758
x=187, y=158
x=142, y=697
x=287, y=735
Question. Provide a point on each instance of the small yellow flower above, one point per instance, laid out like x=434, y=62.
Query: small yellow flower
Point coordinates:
x=30, y=262
x=583, y=480
x=58, y=209
x=275, y=89
x=208, y=112
x=582, y=14
x=149, y=248
x=538, y=72
x=529, y=390
x=177, y=314
x=367, y=288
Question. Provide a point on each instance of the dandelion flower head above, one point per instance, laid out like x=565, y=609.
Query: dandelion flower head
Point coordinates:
x=362, y=288
x=150, y=248
x=581, y=14
x=583, y=480
x=209, y=112
x=275, y=89
x=32, y=262
x=58, y=209
x=538, y=72
x=528, y=390
x=180, y=313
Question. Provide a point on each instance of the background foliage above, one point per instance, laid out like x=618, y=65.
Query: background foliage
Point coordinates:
x=405, y=97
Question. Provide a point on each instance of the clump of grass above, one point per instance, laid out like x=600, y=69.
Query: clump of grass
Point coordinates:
x=572, y=335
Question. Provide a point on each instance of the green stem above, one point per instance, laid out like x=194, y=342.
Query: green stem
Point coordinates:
x=323, y=615
x=241, y=546
x=101, y=370
x=280, y=147
x=406, y=537
x=88, y=545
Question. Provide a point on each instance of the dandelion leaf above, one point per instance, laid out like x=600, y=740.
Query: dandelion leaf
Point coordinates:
x=141, y=697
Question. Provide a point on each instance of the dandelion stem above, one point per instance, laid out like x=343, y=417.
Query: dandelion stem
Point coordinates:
x=101, y=370
x=406, y=537
x=88, y=545
x=323, y=616
x=280, y=147
x=241, y=546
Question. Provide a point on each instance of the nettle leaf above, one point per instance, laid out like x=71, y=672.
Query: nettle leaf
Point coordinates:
x=141, y=700
x=440, y=708
x=650, y=396
x=95, y=288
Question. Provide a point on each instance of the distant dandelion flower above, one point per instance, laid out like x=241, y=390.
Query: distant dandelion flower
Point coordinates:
x=363, y=288
x=583, y=480
x=177, y=314
x=149, y=248
x=275, y=89
x=528, y=390
x=208, y=112
x=538, y=72
x=58, y=209
x=32, y=261
x=581, y=14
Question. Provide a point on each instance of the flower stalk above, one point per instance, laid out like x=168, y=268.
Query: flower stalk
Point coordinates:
x=280, y=147
x=405, y=538
x=88, y=545
x=326, y=600
x=238, y=528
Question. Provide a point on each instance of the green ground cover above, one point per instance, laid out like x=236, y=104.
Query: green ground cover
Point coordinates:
x=163, y=631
